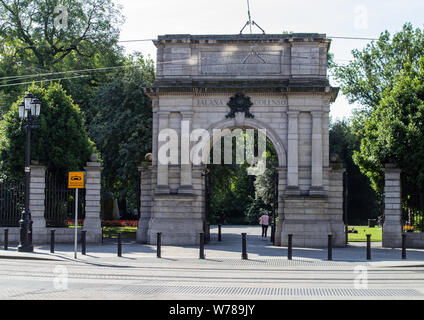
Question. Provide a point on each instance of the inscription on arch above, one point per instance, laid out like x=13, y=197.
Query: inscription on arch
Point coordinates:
x=257, y=102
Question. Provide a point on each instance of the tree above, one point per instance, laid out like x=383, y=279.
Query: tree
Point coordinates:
x=374, y=69
x=32, y=42
x=121, y=126
x=29, y=26
x=60, y=141
x=394, y=132
x=230, y=193
x=237, y=197
x=389, y=124
x=265, y=187
x=362, y=201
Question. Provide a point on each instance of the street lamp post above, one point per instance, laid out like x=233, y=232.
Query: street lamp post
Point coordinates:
x=29, y=111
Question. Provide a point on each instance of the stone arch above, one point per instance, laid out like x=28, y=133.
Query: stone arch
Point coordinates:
x=195, y=90
x=255, y=124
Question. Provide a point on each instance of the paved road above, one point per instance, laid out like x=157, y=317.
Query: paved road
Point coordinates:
x=267, y=275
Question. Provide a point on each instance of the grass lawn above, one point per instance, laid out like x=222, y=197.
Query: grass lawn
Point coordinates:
x=361, y=236
x=126, y=232
x=376, y=234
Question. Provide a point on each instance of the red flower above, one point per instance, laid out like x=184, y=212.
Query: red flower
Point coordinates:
x=120, y=223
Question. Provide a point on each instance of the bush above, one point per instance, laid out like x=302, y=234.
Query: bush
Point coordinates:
x=60, y=142
x=255, y=211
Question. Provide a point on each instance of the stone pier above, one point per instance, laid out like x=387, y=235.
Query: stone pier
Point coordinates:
x=92, y=221
x=392, y=228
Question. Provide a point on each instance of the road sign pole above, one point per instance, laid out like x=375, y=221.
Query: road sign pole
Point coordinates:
x=76, y=224
x=76, y=181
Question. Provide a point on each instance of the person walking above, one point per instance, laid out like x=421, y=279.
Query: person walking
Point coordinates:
x=264, y=221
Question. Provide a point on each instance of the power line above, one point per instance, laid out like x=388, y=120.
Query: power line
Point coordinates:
x=11, y=78
x=151, y=40
x=38, y=81
x=183, y=61
x=166, y=70
x=329, y=37
x=250, y=22
x=139, y=40
x=354, y=38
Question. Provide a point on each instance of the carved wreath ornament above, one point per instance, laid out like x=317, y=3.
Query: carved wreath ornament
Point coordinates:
x=240, y=103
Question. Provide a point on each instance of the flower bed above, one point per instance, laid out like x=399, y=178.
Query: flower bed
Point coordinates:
x=407, y=228
x=106, y=223
x=71, y=223
x=119, y=223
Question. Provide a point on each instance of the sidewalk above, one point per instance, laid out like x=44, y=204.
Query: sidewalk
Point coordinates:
x=259, y=250
x=180, y=274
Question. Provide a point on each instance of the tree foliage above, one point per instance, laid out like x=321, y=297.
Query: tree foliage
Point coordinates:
x=374, y=69
x=60, y=142
x=362, y=201
x=394, y=133
x=236, y=197
x=121, y=126
x=32, y=43
x=386, y=79
x=230, y=192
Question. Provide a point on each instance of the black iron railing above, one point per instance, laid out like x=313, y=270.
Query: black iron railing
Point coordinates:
x=11, y=203
x=412, y=220
x=60, y=202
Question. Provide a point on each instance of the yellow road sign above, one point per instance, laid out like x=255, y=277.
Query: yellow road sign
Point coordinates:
x=76, y=180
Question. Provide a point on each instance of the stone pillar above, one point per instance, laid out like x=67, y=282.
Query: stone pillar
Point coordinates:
x=335, y=204
x=317, y=156
x=145, y=202
x=186, y=179
x=392, y=228
x=293, y=153
x=282, y=182
x=92, y=221
x=37, y=203
x=162, y=172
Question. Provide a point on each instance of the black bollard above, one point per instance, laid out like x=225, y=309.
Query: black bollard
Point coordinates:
x=290, y=247
x=158, y=244
x=6, y=239
x=84, y=242
x=368, y=247
x=52, y=240
x=202, y=246
x=347, y=234
x=403, y=246
x=219, y=233
x=244, y=246
x=208, y=233
x=119, y=245
x=273, y=234
x=330, y=247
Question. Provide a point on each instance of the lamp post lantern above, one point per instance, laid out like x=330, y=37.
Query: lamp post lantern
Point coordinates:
x=29, y=111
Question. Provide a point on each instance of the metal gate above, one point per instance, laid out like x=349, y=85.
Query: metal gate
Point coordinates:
x=60, y=201
x=11, y=203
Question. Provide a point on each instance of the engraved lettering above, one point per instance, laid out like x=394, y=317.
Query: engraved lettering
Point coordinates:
x=211, y=102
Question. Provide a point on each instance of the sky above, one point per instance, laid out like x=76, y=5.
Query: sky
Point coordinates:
x=146, y=19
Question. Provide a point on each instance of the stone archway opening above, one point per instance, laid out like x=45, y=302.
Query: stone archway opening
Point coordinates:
x=236, y=195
